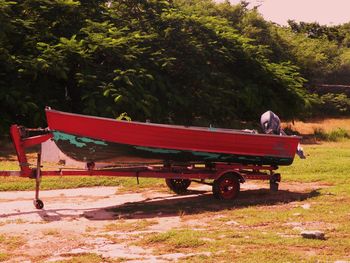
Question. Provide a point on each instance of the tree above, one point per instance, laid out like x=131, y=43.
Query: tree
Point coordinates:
x=176, y=62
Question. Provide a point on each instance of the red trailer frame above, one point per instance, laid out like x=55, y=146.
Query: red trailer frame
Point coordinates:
x=225, y=178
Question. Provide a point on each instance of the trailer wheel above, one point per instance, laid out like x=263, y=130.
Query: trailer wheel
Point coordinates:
x=226, y=187
x=178, y=186
x=38, y=204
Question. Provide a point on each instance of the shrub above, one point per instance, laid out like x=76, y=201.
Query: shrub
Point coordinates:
x=333, y=136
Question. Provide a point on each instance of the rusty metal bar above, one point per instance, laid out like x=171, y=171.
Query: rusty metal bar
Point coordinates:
x=35, y=140
x=16, y=136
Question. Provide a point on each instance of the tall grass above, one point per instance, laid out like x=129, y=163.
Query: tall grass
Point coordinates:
x=332, y=136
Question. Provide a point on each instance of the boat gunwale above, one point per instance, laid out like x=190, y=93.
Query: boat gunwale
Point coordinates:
x=175, y=127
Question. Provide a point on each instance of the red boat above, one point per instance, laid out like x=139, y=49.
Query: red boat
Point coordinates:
x=230, y=156
x=94, y=139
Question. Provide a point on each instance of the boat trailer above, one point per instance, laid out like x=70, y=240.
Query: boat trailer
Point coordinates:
x=225, y=178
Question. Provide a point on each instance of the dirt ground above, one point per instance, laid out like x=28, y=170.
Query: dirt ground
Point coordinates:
x=75, y=221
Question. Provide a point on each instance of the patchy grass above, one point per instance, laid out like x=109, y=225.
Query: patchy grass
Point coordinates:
x=85, y=258
x=124, y=226
x=175, y=240
x=16, y=221
x=11, y=242
x=4, y=257
x=51, y=232
x=13, y=221
x=9, y=165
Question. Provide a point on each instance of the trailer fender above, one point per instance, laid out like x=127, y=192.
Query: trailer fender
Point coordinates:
x=234, y=172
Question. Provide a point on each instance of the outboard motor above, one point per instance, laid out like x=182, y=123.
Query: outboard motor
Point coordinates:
x=271, y=124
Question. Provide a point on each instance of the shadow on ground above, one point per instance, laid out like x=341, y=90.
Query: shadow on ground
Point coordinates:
x=194, y=202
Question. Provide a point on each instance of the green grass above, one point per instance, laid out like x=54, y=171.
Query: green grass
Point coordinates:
x=327, y=163
x=175, y=240
x=66, y=182
x=9, y=165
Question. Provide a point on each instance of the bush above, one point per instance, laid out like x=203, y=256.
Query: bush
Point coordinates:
x=152, y=59
x=333, y=136
x=330, y=104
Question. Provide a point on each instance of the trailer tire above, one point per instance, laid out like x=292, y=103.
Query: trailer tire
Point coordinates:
x=226, y=187
x=38, y=204
x=178, y=186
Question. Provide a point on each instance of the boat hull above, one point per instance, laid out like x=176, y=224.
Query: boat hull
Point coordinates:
x=94, y=139
x=90, y=150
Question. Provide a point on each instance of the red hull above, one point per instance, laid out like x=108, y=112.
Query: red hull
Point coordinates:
x=173, y=137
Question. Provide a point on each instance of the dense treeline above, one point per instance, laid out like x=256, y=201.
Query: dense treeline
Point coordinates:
x=180, y=61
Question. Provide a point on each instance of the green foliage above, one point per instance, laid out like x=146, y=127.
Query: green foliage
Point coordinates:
x=330, y=51
x=124, y=116
x=337, y=33
x=184, y=62
x=315, y=57
x=331, y=104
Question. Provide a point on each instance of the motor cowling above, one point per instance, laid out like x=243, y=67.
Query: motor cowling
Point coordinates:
x=270, y=123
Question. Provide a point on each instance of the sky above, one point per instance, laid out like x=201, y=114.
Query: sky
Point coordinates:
x=325, y=12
